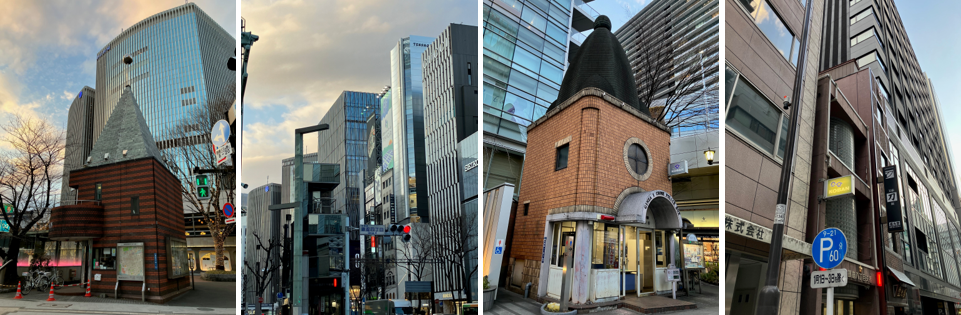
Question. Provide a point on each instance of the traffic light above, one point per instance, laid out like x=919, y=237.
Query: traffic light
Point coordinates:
x=203, y=186
x=406, y=233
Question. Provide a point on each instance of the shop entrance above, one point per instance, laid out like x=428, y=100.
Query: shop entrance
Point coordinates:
x=637, y=275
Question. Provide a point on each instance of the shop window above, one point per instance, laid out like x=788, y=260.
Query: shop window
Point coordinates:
x=604, y=252
x=105, y=258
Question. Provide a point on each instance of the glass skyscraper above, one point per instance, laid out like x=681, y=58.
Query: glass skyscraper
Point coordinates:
x=407, y=127
x=179, y=76
x=526, y=48
x=345, y=143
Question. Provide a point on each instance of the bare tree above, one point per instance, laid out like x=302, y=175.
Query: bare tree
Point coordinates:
x=261, y=272
x=417, y=256
x=29, y=170
x=457, y=251
x=188, y=147
x=676, y=78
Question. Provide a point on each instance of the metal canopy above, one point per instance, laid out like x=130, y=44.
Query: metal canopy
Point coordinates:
x=635, y=208
x=901, y=277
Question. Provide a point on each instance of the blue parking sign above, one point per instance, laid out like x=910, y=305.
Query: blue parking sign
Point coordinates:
x=829, y=248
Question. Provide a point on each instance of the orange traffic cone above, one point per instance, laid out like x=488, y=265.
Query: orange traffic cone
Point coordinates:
x=50, y=298
x=88, y=289
x=19, y=296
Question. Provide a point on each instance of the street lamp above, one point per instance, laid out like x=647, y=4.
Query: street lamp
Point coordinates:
x=709, y=156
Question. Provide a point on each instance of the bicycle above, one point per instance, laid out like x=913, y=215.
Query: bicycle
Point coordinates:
x=35, y=280
x=56, y=279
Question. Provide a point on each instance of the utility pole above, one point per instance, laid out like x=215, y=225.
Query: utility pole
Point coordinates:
x=769, y=297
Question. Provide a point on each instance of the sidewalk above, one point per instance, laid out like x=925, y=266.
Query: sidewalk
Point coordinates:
x=510, y=303
x=208, y=298
x=10, y=307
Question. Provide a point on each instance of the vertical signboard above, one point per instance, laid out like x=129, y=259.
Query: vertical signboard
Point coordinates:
x=892, y=197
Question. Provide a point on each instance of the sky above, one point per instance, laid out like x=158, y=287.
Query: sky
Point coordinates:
x=48, y=49
x=932, y=30
x=311, y=51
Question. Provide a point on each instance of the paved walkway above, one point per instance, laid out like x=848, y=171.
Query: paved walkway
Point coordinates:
x=208, y=298
x=510, y=303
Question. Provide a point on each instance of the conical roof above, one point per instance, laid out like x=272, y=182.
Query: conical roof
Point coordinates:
x=601, y=63
x=127, y=130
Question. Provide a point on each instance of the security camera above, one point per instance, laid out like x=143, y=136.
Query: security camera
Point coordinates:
x=127, y=59
x=244, y=186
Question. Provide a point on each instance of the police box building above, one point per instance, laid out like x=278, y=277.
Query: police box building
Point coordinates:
x=596, y=178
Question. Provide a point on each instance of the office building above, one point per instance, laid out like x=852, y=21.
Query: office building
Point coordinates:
x=178, y=71
x=406, y=125
x=79, y=140
x=268, y=226
x=527, y=45
x=762, y=48
x=681, y=75
x=287, y=177
x=450, y=116
x=867, y=109
x=345, y=144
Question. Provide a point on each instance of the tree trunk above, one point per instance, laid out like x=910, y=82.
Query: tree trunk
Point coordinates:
x=219, y=251
x=10, y=276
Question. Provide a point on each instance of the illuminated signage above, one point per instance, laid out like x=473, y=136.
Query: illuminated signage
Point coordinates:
x=839, y=186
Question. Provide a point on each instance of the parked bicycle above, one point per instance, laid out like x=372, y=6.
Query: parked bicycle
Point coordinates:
x=56, y=279
x=35, y=279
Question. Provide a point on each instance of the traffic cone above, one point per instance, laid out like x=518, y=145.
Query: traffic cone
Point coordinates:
x=88, y=289
x=19, y=296
x=50, y=298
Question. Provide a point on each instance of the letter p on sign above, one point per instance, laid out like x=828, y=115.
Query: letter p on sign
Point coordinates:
x=827, y=248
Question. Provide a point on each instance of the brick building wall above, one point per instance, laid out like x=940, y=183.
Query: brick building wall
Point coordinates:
x=160, y=216
x=596, y=175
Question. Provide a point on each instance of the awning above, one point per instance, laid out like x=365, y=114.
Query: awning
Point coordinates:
x=901, y=277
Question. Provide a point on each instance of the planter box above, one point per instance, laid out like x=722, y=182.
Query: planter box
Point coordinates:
x=489, y=296
x=222, y=278
x=545, y=312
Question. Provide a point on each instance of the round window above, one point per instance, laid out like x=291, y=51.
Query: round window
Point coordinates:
x=637, y=159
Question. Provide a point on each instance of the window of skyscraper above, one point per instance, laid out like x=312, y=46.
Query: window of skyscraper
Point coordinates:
x=773, y=27
x=752, y=116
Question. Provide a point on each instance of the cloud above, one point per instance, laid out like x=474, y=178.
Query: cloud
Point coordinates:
x=311, y=51
x=49, y=48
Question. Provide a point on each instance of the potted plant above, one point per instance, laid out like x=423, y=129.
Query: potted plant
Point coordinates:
x=553, y=308
x=490, y=293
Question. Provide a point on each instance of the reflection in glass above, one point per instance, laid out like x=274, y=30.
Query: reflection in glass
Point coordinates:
x=753, y=116
x=775, y=30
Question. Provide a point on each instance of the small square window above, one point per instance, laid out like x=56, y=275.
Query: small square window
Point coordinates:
x=561, y=161
x=527, y=207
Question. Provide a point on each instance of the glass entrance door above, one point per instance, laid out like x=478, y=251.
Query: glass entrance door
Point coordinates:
x=645, y=260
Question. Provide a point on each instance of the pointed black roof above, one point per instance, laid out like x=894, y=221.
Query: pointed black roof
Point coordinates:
x=601, y=63
x=127, y=130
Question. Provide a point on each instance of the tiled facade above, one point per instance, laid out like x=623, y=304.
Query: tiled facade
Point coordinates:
x=753, y=171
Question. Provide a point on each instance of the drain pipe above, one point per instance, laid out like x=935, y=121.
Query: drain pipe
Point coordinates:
x=527, y=290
